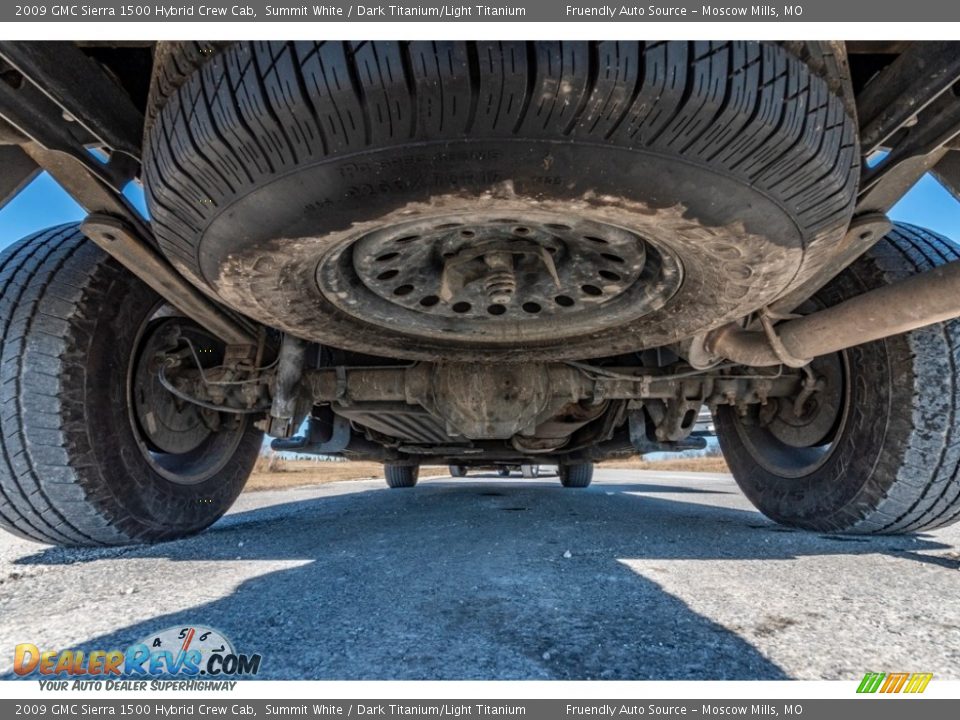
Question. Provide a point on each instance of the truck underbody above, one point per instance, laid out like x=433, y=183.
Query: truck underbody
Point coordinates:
x=508, y=253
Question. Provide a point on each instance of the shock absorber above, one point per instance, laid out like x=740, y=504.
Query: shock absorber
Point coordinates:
x=286, y=394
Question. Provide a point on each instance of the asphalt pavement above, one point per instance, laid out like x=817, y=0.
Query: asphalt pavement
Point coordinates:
x=641, y=576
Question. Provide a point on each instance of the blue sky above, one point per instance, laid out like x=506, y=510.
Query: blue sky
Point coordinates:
x=44, y=203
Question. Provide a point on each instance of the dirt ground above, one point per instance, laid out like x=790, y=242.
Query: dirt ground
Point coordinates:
x=695, y=464
x=295, y=473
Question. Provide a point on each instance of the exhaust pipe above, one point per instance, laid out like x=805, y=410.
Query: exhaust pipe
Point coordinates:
x=902, y=306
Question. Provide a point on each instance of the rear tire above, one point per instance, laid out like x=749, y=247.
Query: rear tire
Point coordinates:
x=530, y=471
x=74, y=468
x=503, y=472
x=458, y=470
x=576, y=476
x=890, y=462
x=401, y=476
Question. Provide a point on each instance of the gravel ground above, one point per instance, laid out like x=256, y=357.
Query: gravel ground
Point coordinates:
x=642, y=576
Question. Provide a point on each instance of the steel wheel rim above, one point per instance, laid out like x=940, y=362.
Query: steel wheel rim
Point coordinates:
x=197, y=461
x=779, y=453
x=494, y=278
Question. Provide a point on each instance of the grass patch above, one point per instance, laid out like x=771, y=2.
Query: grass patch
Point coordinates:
x=294, y=473
x=272, y=472
x=682, y=464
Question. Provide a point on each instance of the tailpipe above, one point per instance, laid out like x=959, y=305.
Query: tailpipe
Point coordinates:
x=915, y=302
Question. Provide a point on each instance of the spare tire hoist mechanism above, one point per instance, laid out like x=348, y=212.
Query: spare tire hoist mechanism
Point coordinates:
x=47, y=81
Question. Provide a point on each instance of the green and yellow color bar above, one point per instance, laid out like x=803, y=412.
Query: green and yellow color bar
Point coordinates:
x=894, y=682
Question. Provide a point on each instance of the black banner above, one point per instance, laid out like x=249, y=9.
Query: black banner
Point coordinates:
x=877, y=708
x=525, y=11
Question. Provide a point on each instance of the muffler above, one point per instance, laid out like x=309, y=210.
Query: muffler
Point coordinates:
x=902, y=306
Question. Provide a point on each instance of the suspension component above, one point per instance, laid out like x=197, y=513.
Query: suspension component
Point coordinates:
x=287, y=410
x=915, y=302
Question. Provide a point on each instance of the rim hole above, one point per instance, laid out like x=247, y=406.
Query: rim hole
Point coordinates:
x=388, y=274
x=564, y=300
x=447, y=226
x=406, y=238
x=403, y=290
x=461, y=307
x=429, y=300
x=467, y=233
x=609, y=275
x=521, y=230
x=387, y=256
x=558, y=226
x=595, y=239
x=591, y=290
x=497, y=309
x=531, y=307
x=612, y=258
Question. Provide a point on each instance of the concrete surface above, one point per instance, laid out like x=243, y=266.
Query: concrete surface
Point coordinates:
x=643, y=575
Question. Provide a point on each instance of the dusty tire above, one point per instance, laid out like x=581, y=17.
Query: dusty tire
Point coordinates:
x=576, y=476
x=401, y=476
x=693, y=156
x=890, y=461
x=173, y=63
x=458, y=470
x=71, y=467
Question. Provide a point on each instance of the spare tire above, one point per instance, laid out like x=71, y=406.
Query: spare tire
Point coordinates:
x=501, y=200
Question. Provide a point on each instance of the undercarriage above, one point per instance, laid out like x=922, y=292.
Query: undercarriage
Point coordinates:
x=402, y=252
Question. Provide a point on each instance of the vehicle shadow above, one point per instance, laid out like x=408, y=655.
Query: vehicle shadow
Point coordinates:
x=467, y=580
x=637, y=487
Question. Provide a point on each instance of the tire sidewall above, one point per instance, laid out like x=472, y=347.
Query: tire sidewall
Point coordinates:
x=866, y=455
x=132, y=494
x=738, y=247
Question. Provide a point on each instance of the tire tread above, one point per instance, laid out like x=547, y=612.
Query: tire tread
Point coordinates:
x=54, y=486
x=228, y=118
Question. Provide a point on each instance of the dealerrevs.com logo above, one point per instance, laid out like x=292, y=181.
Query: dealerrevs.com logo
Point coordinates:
x=180, y=652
